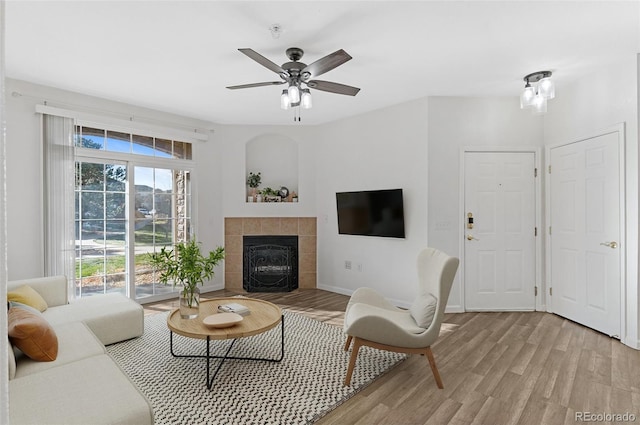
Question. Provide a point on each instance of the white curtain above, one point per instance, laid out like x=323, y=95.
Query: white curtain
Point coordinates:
x=59, y=198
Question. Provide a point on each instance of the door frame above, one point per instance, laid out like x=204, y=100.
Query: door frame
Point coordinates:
x=620, y=130
x=539, y=298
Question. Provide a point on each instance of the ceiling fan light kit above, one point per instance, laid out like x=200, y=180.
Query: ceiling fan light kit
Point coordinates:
x=537, y=90
x=297, y=75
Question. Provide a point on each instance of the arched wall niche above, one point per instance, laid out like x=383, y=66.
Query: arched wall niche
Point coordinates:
x=275, y=157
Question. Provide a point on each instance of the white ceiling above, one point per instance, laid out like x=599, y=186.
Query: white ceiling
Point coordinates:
x=179, y=56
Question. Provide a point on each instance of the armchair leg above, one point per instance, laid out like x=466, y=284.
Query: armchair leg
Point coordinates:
x=352, y=361
x=434, y=369
x=348, y=343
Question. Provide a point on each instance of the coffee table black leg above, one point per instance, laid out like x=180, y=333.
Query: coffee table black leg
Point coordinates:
x=226, y=356
x=222, y=359
x=261, y=358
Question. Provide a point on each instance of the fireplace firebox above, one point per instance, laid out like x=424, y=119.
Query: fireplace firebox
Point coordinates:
x=270, y=263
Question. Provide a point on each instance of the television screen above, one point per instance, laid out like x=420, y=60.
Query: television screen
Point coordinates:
x=371, y=213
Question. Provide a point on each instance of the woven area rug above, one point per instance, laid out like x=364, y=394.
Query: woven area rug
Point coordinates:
x=302, y=388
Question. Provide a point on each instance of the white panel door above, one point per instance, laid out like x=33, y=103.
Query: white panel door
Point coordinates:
x=499, y=194
x=585, y=232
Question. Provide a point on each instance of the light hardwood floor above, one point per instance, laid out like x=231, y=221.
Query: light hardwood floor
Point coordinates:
x=497, y=368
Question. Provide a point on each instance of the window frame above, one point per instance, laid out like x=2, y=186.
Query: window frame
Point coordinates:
x=132, y=160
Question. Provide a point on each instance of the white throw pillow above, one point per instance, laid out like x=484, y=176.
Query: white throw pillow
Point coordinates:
x=423, y=309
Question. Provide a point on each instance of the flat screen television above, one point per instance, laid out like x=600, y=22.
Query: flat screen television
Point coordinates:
x=371, y=213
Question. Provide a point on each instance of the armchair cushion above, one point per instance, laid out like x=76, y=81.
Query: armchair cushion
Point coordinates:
x=381, y=325
x=423, y=309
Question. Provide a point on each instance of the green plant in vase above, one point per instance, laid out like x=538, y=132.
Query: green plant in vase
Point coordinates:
x=186, y=266
x=253, y=181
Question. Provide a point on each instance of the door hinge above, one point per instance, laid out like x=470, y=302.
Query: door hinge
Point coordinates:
x=535, y=172
x=535, y=231
x=551, y=291
x=549, y=229
x=549, y=169
x=536, y=291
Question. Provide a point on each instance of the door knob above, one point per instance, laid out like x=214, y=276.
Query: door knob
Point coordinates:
x=471, y=238
x=612, y=244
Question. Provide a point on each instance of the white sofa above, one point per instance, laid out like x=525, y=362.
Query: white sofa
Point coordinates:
x=83, y=385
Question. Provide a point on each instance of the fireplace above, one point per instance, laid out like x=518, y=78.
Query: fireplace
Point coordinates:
x=270, y=263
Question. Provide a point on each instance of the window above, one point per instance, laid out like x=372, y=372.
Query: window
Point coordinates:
x=133, y=197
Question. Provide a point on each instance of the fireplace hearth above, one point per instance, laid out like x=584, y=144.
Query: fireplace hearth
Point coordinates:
x=270, y=263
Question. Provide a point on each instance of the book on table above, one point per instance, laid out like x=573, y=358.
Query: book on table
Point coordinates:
x=234, y=308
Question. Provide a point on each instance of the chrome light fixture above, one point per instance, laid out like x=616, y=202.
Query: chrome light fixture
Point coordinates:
x=537, y=90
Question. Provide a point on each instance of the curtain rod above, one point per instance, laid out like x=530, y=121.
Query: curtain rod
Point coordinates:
x=120, y=115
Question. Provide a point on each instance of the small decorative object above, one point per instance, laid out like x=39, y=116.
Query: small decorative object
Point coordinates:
x=253, y=181
x=294, y=196
x=249, y=198
x=284, y=192
x=258, y=198
x=234, y=308
x=222, y=320
x=186, y=266
x=270, y=195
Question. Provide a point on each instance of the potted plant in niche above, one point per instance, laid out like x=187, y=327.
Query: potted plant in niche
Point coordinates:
x=270, y=195
x=186, y=266
x=253, y=181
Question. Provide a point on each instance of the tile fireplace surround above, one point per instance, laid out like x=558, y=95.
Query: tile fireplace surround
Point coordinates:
x=237, y=227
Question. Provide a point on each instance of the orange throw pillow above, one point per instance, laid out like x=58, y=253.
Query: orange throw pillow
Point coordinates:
x=32, y=334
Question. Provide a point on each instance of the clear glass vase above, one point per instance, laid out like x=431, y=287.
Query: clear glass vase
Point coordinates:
x=189, y=302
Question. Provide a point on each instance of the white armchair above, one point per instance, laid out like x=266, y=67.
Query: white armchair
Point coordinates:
x=373, y=321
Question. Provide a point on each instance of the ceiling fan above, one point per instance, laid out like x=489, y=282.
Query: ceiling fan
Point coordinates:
x=298, y=75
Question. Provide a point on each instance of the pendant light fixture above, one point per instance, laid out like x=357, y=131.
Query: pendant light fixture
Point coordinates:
x=537, y=90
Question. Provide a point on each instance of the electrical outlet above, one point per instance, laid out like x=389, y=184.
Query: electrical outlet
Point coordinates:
x=347, y=264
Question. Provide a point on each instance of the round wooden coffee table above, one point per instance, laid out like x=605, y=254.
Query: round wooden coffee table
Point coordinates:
x=264, y=316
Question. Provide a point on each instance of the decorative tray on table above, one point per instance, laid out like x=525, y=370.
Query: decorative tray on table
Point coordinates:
x=222, y=320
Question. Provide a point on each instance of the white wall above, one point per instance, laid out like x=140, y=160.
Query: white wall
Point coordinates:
x=456, y=123
x=595, y=103
x=384, y=149
x=231, y=143
x=4, y=349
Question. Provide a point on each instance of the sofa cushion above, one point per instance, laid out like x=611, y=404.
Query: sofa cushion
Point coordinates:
x=75, y=342
x=52, y=288
x=93, y=391
x=111, y=317
x=423, y=309
x=29, y=296
x=32, y=334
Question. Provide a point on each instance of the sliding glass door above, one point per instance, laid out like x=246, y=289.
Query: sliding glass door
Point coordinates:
x=125, y=212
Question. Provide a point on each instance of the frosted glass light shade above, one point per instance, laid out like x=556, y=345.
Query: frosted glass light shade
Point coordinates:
x=294, y=94
x=539, y=104
x=305, y=102
x=527, y=96
x=546, y=88
x=284, y=100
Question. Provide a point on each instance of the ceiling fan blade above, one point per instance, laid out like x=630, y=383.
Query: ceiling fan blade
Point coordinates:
x=248, y=86
x=333, y=87
x=327, y=63
x=263, y=61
